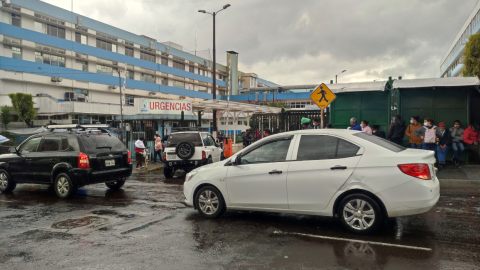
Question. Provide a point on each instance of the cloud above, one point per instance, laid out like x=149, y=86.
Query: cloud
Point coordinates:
x=300, y=42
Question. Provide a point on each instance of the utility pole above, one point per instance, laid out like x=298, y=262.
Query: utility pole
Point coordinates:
x=121, y=105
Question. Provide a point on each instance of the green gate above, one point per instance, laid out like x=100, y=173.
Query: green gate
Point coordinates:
x=372, y=106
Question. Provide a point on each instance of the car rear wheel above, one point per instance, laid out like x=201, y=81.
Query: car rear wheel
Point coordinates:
x=209, y=202
x=210, y=160
x=6, y=183
x=115, y=185
x=360, y=214
x=64, y=187
x=168, y=172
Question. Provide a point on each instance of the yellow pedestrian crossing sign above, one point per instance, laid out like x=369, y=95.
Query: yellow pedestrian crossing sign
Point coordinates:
x=322, y=96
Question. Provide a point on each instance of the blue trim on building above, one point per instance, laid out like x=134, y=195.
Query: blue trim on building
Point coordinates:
x=48, y=70
x=66, y=15
x=157, y=117
x=22, y=33
x=281, y=96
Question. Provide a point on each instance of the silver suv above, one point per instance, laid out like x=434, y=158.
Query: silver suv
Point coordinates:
x=189, y=148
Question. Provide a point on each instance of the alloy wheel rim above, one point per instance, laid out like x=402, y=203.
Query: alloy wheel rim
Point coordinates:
x=63, y=186
x=359, y=214
x=208, y=202
x=3, y=181
x=184, y=150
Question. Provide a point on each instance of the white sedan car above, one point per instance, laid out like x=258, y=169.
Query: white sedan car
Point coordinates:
x=359, y=178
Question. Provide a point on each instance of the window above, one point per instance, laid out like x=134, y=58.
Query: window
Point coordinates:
x=211, y=140
x=177, y=138
x=147, y=78
x=202, y=89
x=130, y=75
x=222, y=123
x=179, y=65
x=39, y=27
x=164, y=81
x=274, y=151
x=30, y=146
x=83, y=92
x=164, y=61
x=318, y=147
x=148, y=57
x=240, y=123
x=380, y=142
x=49, y=59
x=16, y=52
x=129, y=100
x=104, y=70
x=346, y=149
x=206, y=141
x=102, y=44
x=129, y=51
x=41, y=117
x=83, y=63
x=55, y=31
x=191, y=69
x=81, y=38
x=11, y=18
x=50, y=144
x=178, y=84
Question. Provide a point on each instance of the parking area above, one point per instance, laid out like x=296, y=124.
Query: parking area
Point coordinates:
x=146, y=226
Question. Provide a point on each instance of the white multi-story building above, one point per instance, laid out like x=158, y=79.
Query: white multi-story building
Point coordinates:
x=451, y=64
x=69, y=63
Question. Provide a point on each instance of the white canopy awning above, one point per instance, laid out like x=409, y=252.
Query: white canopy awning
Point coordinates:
x=336, y=88
x=436, y=82
x=221, y=105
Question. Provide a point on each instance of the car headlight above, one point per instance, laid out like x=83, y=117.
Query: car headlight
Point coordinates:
x=189, y=176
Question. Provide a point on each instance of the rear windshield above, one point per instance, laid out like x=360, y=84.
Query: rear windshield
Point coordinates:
x=100, y=143
x=177, y=138
x=380, y=142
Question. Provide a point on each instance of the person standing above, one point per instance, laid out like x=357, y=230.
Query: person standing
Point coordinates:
x=429, y=134
x=444, y=144
x=316, y=124
x=365, y=127
x=306, y=123
x=415, y=141
x=158, y=149
x=139, y=152
x=471, y=138
x=354, y=124
x=267, y=132
x=247, y=138
x=376, y=131
x=457, y=137
x=397, y=130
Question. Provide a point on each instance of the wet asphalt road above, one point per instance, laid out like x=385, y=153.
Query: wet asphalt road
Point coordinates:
x=145, y=226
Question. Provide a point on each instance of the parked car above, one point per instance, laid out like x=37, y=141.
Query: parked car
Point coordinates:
x=188, y=149
x=67, y=159
x=359, y=178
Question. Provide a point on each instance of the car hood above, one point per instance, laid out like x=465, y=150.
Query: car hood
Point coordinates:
x=210, y=166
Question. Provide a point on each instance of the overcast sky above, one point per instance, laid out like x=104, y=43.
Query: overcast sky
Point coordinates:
x=300, y=41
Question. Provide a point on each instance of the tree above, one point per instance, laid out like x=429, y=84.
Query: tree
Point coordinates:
x=23, y=105
x=278, y=105
x=471, y=56
x=6, y=116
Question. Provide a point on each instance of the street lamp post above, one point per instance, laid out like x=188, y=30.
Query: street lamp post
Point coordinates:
x=338, y=74
x=121, y=104
x=214, y=75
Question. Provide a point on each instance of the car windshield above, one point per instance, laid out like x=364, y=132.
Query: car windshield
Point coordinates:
x=380, y=142
x=176, y=138
x=98, y=143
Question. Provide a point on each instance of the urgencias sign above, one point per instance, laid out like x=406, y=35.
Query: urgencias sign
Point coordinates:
x=165, y=106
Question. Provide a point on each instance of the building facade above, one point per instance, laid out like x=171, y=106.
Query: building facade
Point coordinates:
x=451, y=64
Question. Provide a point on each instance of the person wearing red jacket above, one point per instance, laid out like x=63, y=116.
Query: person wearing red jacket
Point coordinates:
x=471, y=138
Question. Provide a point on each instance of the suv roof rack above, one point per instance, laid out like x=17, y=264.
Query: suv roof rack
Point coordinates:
x=100, y=127
x=183, y=129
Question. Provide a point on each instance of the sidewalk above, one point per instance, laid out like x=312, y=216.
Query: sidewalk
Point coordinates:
x=158, y=166
x=463, y=172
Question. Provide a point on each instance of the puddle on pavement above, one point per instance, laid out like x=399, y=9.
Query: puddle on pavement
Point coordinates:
x=91, y=221
x=105, y=212
x=146, y=225
x=4, y=257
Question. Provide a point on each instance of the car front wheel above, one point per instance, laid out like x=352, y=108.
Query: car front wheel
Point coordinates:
x=64, y=186
x=209, y=202
x=115, y=185
x=6, y=183
x=359, y=214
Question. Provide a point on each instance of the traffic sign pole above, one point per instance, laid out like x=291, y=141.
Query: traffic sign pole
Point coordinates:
x=322, y=120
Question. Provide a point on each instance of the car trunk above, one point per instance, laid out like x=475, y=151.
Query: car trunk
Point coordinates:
x=105, y=152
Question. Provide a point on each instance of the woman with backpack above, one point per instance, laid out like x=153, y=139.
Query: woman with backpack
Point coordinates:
x=415, y=141
x=429, y=134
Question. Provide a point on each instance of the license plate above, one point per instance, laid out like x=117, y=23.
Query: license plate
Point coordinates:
x=110, y=162
x=172, y=156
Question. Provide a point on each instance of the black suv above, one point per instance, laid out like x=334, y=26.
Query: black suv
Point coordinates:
x=67, y=160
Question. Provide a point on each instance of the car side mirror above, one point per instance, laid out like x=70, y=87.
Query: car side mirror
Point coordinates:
x=238, y=160
x=13, y=150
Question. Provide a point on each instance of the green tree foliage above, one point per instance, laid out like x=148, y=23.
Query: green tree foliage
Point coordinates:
x=6, y=116
x=471, y=56
x=23, y=105
x=278, y=105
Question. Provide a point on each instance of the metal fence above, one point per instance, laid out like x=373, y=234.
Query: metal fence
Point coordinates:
x=286, y=120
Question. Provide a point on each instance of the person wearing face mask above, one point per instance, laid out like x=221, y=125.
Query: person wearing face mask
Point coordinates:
x=415, y=141
x=457, y=137
x=365, y=127
x=444, y=144
x=397, y=130
x=471, y=138
x=376, y=131
x=429, y=134
x=316, y=124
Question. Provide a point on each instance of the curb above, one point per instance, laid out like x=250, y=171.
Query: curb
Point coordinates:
x=149, y=170
x=460, y=181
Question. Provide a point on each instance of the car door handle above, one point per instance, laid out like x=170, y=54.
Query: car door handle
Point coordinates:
x=275, y=171
x=338, y=167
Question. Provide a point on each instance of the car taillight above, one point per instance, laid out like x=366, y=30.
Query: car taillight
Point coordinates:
x=204, y=155
x=164, y=156
x=421, y=171
x=83, y=161
x=129, y=159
